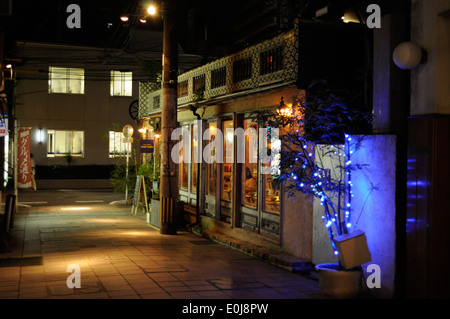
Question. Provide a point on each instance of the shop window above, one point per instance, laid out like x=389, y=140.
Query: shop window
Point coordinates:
x=63, y=143
x=183, y=166
x=194, y=157
x=121, y=83
x=66, y=80
x=228, y=137
x=271, y=187
x=211, y=168
x=250, y=167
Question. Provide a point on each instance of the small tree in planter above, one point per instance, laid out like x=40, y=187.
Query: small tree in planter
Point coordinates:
x=317, y=138
x=124, y=181
x=152, y=172
x=119, y=180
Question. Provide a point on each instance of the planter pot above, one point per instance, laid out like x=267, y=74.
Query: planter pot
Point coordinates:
x=335, y=283
x=155, y=212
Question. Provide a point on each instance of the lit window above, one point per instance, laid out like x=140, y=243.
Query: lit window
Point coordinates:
x=271, y=187
x=211, y=171
x=227, y=166
x=66, y=80
x=121, y=83
x=183, y=166
x=62, y=143
x=250, y=189
x=194, y=155
x=116, y=145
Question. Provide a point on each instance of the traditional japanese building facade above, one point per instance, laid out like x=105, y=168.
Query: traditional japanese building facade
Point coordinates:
x=230, y=196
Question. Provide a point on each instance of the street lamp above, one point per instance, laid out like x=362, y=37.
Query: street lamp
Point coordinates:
x=151, y=10
x=283, y=109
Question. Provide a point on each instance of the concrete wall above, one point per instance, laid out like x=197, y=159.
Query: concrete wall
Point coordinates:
x=374, y=211
x=427, y=222
x=296, y=225
x=322, y=250
x=430, y=81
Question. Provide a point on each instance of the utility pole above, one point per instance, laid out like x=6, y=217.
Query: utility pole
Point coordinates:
x=169, y=180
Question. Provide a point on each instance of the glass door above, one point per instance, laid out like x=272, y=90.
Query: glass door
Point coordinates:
x=226, y=185
x=260, y=197
x=211, y=172
x=250, y=214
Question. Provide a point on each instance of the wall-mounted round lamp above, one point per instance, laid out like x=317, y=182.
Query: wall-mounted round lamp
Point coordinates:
x=408, y=55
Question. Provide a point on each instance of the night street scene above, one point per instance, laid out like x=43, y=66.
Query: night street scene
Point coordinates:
x=224, y=158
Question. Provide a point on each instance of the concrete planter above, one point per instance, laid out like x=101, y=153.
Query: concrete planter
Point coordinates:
x=341, y=284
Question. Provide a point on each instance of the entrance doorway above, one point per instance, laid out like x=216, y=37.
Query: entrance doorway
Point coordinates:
x=260, y=195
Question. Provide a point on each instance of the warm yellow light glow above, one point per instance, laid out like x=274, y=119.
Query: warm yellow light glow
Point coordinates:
x=124, y=18
x=151, y=10
x=143, y=20
x=157, y=135
x=286, y=111
x=127, y=131
x=8, y=66
x=75, y=208
x=350, y=16
x=142, y=130
x=135, y=233
x=229, y=136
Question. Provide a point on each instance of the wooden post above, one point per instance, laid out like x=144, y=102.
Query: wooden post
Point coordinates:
x=169, y=180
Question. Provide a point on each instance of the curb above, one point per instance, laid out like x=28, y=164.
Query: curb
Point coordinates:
x=277, y=258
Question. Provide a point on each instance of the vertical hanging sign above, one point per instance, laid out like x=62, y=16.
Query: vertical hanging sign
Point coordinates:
x=24, y=159
x=4, y=125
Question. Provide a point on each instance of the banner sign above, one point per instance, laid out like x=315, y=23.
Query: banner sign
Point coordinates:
x=24, y=159
x=4, y=125
x=147, y=146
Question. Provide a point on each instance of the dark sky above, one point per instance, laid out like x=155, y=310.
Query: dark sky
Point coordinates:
x=46, y=20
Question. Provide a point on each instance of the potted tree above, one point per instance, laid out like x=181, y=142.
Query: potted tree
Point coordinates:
x=151, y=172
x=318, y=137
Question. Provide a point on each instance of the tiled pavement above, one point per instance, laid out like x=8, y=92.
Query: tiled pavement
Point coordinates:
x=120, y=256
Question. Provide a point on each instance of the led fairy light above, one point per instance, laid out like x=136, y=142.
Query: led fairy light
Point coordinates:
x=349, y=151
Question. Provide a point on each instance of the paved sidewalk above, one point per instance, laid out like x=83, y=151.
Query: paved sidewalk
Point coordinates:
x=120, y=256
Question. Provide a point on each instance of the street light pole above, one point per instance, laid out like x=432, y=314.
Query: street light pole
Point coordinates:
x=169, y=180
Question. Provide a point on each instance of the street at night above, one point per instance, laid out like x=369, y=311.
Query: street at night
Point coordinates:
x=194, y=151
x=120, y=256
